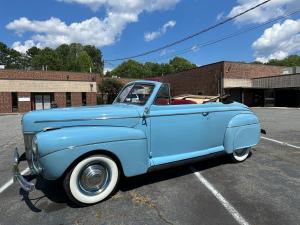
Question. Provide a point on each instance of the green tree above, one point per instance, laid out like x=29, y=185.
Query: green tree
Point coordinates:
x=152, y=69
x=33, y=51
x=130, y=68
x=12, y=59
x=96, y=57
x=166, y=69
x=110, y=88
x=83, y=62
x=47, y=59
x=134, y=69
x=292, y=60
x=63, y=53
x=181, y=64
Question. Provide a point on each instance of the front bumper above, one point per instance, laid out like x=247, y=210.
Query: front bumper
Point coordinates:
x=17, y=176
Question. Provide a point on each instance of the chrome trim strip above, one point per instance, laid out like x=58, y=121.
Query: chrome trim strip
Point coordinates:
x=186, y=161
x=135, y=117
x=84, y=125
x=181, y=114
x=86, y=119
x=95, y=143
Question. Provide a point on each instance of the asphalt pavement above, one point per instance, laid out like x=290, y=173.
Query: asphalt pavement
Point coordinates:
x=265, y=189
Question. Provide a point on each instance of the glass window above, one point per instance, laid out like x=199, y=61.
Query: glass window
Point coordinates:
x=135, y=94
x=83, y=97
x=163, y=95
x=68, y=99
x=124, y=93
x=14, y=98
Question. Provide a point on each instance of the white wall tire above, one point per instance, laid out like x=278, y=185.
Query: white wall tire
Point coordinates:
x=240, y=155
x=92, y=180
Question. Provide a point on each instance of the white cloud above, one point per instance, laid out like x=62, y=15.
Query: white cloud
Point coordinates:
x=149, y=36
x=195, y=48
x=279, y=41
x=265, y=12
x=220, y=16
x=126, y=5
x=94, y=31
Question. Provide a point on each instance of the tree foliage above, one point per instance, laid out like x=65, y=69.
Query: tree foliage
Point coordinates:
x=110, y=88
x=73, y=57
x=180, y=64
x=290, y=61
x=12, y=59
x=134, y=69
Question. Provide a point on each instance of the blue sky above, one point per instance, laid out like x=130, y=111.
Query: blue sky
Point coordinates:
x=127, y=27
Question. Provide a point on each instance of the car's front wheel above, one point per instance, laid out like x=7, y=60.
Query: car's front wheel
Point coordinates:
x=92, y=180
x=240, y=155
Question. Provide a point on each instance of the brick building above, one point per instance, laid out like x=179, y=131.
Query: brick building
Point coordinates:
x=252, y=84
x=22, y=91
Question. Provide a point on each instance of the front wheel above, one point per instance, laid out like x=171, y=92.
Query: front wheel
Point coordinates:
x=240, y=155
x=92, y=180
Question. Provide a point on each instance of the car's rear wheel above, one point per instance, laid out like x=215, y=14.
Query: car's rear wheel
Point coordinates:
x=240, y=155
x=92, y=180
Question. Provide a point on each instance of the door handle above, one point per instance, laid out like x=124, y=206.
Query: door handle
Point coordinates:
x=205, y=113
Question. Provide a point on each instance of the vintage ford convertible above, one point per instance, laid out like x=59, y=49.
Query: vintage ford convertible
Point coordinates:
x=144, y=129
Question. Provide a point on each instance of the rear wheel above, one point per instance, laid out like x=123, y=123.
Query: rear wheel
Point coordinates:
x=240, y=155
x=92, y=180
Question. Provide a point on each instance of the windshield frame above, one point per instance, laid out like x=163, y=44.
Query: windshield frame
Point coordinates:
x=134, y=84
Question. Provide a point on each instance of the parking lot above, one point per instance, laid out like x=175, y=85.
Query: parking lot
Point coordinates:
x=265, y=189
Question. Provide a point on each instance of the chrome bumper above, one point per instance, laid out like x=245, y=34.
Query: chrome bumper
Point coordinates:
x=17, y=176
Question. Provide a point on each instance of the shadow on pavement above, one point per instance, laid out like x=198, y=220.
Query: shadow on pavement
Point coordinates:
x=55, y=197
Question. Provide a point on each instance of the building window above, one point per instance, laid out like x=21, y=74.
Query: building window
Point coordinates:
x=68, y=99
x=83, y=97
x=14, y=101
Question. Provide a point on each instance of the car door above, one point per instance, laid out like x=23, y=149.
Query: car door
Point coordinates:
x=182, y=131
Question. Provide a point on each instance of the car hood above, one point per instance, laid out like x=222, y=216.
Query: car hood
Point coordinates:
x=104, y=115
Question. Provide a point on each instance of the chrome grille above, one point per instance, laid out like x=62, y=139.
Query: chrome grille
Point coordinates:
x=28, y=149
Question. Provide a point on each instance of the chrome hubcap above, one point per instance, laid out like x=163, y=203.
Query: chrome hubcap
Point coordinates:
x=93, y=179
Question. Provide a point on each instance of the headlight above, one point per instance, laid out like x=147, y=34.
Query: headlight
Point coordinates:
x=36, y=167
x=34, y=146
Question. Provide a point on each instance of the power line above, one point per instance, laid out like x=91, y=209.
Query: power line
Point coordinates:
x=196, y=47
x=190, y=36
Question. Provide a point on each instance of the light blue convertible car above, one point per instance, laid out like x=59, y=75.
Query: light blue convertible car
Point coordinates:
x=144, y=129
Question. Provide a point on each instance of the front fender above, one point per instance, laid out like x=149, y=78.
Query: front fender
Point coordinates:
x=60, y=148
x=242, y=131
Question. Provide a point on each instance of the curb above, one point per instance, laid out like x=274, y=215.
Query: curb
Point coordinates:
x=10, y=114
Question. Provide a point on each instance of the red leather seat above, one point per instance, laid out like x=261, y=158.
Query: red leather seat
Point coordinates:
x=182, y=102
x=161, y=101
x=164, y=101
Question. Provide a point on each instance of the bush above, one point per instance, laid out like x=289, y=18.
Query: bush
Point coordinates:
x=109, y=89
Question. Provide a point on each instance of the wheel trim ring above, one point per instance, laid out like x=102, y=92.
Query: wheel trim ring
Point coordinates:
x=103, y=182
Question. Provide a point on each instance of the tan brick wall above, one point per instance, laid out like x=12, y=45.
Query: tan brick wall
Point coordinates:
x=91, y=98
x=24, y=106
x=47, y=75
x=5, y=102
x=76, y=99
x=60, y=99
x=46, y=86
x=233, y=83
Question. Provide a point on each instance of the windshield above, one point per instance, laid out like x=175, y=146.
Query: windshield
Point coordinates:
x=135, y=94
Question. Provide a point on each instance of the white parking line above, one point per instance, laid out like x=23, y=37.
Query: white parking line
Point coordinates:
x=236, y=215
x=11, y=181
x=280, y=142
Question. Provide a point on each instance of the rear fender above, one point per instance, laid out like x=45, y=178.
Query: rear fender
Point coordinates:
x=242, y=131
